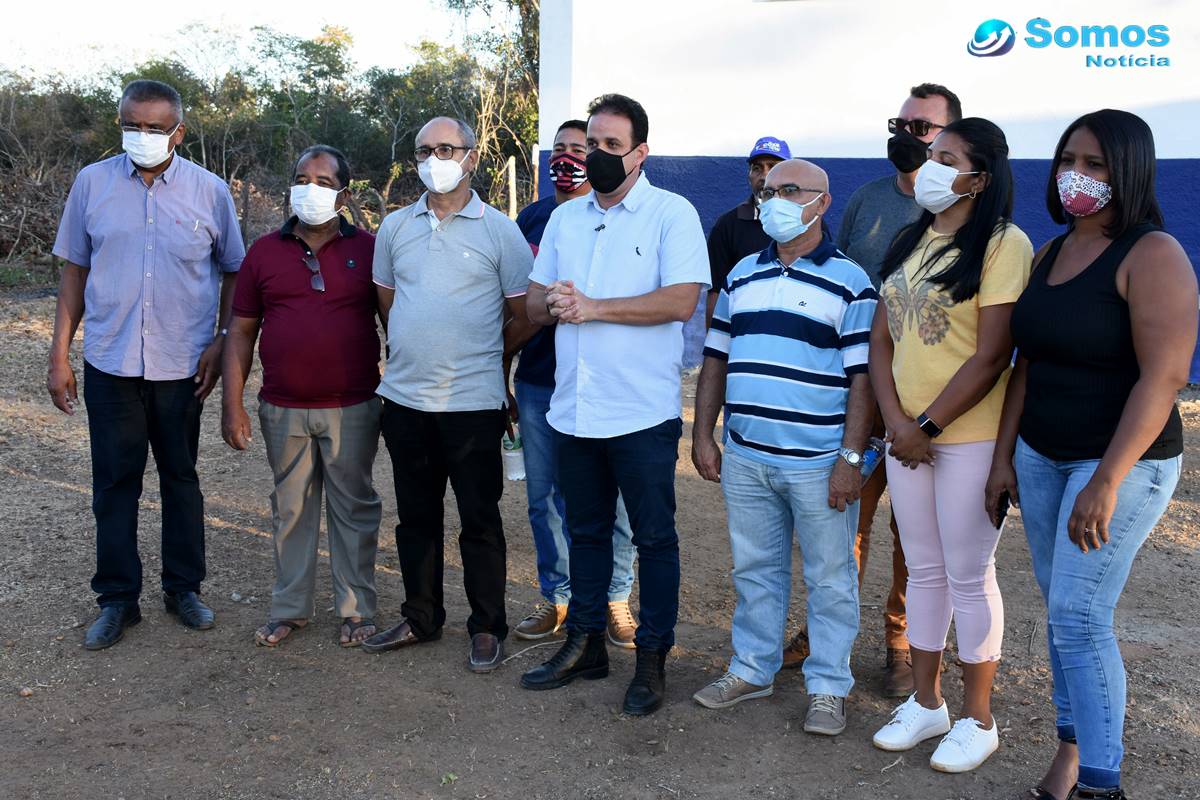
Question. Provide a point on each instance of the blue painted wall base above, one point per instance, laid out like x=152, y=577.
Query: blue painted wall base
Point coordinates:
x=715, y=184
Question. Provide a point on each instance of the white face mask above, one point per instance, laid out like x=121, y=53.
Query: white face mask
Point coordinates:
x=933, y=189
x=314, y=204
x=148, y=150
x=441, y=176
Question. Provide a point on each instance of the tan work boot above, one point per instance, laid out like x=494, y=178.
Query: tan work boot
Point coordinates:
x=796, y=651
x=897, y=673
x=545, y=621
x=621, y=626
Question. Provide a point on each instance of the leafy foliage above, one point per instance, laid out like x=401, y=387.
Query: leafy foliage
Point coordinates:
x=253, y=103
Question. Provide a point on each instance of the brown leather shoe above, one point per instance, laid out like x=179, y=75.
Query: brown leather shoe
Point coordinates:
x=487, y=651
x=621, y=626
x=796, y=651
x=545, y=621
x=897, y=673
x=394, y=638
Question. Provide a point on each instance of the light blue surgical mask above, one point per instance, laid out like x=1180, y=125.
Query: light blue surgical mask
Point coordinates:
x=783, y=220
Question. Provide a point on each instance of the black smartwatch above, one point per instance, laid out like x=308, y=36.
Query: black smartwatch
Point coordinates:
x=931, y=428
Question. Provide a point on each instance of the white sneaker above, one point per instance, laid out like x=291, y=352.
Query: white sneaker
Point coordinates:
x=911, y=724
x=965, y=747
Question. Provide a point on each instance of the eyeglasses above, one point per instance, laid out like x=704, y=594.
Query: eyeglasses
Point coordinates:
x=787, y=192
x=149, y=129
x=917, y=127
x=443, y=151
x=314, y=266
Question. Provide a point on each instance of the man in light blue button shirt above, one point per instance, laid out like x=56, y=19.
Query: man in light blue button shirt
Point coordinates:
x=152, y=248
x=621, y=269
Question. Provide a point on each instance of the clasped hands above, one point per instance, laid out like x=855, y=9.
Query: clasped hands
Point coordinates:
x=567, y=304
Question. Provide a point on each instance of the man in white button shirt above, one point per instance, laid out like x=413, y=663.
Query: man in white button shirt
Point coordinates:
x=621, y=270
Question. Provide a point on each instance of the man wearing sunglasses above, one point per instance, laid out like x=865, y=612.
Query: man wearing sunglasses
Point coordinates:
x=308, y=288
x=152, y=246
x=874, y=215
x=446, y=270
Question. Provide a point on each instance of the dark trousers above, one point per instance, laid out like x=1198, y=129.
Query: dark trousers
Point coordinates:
x=641, y=466
x=427, y=448
x=126, y=418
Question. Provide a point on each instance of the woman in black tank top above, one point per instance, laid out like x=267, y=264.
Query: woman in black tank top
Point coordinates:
x=1090, y=440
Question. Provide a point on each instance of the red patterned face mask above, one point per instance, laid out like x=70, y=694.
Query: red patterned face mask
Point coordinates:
x=569, y=172
x=1081, y=195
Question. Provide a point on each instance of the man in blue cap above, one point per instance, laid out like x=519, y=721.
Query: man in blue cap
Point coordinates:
x=737, y=233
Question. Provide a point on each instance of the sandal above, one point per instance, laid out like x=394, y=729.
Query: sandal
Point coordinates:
x=273, y=626
x=354, y=627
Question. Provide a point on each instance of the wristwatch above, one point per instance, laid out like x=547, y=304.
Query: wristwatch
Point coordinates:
x=851, y=457
x=931, y=428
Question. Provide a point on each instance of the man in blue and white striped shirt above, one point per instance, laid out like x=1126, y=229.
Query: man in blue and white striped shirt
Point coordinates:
x=787, y=355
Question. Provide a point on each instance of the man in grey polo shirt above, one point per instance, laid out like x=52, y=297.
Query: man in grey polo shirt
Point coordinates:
x=152, y=247
x=446, y=268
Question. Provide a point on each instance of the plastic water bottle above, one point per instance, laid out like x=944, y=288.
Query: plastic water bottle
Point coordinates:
x=514, y=456
x=872, y=456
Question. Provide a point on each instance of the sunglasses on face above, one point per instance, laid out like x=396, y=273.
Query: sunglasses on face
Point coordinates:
x=917, y=127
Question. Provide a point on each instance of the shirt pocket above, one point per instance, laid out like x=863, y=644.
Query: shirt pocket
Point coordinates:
x=190, y=247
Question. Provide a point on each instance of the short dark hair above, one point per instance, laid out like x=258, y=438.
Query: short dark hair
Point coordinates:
x=987, y=150
x=574, y=124
x=1128, y=148
x=146, y=91
x=343, y=166
x=626, y=107
x=953, y=105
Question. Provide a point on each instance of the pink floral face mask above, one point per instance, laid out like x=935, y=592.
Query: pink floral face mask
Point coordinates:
x=1082, y=196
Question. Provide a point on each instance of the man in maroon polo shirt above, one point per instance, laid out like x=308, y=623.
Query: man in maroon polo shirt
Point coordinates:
x=308, y=288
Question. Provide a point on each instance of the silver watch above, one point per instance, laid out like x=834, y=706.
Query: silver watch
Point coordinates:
x=851, y=457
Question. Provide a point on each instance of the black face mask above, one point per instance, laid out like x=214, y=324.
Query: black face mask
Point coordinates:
x=606, y=171
x=906, y=152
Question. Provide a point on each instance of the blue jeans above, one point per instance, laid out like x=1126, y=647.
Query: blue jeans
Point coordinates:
x=547, y=509
x=1081, y=592
x=765, y=504
x=641, y=467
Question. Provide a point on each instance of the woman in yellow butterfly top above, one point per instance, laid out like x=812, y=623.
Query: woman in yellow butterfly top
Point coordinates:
x=940, y=359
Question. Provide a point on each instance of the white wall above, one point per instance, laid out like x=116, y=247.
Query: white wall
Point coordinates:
x=826, y=74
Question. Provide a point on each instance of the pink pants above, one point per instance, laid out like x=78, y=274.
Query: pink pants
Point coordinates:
x=950, y=547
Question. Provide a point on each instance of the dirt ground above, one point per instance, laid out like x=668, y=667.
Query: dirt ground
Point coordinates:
x=181, y=714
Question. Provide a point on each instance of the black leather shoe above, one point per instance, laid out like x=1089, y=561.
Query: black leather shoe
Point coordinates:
x=110, y=626
x=487, y=651
x=582, y=655
x=1083, y=793
x=649, y=684
x=190, y=609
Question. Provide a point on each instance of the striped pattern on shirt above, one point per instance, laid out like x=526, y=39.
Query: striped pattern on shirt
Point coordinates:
x=793, y=337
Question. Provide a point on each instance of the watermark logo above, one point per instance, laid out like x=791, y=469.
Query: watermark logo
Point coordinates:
x=993, y=38
x=1143, y=43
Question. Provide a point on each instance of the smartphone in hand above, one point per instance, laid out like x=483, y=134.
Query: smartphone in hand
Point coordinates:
x=1002, y=506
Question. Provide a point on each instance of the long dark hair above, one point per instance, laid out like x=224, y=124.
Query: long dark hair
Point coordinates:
x=988, y=151
x=1128, y=148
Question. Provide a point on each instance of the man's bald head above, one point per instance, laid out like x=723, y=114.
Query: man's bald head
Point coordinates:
x=800, y=173
x=446, y=130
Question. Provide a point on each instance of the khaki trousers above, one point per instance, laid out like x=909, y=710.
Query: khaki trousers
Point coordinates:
x=332, y=450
